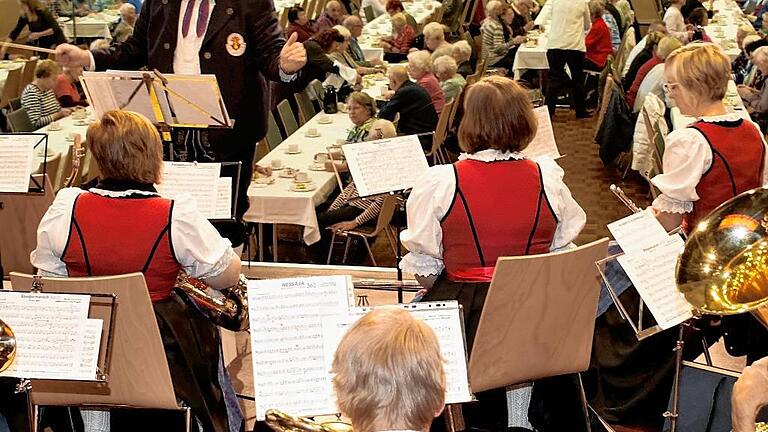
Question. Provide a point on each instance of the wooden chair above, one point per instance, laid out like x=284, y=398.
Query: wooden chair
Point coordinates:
x=287, y=118
x=306, y=109
x=11, y=87
x=28, y=73
x=283, y=18
x=310, y=9
x=441, y=131
x=19, y=121
x=14, y=103
x=273, y=138
x=365, y=233
x=627, y=43
x=369, y=15
x=315, y=91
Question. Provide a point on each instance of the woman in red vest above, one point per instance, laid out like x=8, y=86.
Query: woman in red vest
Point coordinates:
x=123, y=226
x=717, y=157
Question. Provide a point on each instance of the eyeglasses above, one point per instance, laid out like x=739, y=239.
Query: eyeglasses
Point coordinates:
x=669, y=86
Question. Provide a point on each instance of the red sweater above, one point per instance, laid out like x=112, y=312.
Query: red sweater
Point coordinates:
x=599, y=43
x=641, y=73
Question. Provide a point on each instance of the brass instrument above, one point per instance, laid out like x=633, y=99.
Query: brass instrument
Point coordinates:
x=761, y=427
x=78, y=152
x=230, y=311
x=724, y=267
x=7, y=346
x=282, y=422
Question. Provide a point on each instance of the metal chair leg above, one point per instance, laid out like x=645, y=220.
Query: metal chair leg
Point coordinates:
x=274, y=242
x=370, y=252
x=330, y=248
x=346, y=249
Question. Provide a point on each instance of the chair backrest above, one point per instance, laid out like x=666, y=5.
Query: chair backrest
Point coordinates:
x=311, y=9
x=287, y=118
x=659, y=142
x=315, y=90
x=441, y=130
x=28, y=74
x=19, y=121
x=457, y=103
x=627, y=43
x=647, y=11
x=388, y=207
x=15, y=103
x=306, y=109
x=610, y=84
x=11, y=87
x=273, y=138
x=368, y=11
x=52, y=169
x=283, y=18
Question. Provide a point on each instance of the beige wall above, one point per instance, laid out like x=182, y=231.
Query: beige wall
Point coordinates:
x=9, y=13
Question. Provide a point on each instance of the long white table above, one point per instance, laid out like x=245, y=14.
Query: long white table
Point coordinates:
x=59, y=140
x=733, y=103
x=535, y=57
x=277, y=203
x=724, y=25
x=423, y=11
x=91, y=26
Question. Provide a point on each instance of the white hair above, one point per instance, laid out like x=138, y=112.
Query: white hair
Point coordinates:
x=343, y=31
x=493, y=8
x=445, y=67
x=126, y=8
x=433, y=29
x=760, y=55
x=99, y=44
x=421, y=60
x=462, y=51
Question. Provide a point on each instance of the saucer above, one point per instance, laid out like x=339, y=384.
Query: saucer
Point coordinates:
x=303, y=187
x=54, y=129
x=293, y=152
x=278, y=168
x=264, y=180
x=317, y=135
x=289, y=173
x=317, y=167
x=81, y=123
x=321, y=121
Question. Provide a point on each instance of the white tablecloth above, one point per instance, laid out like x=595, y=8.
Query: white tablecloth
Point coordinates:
x=734, y=104
x=276, y=203
x=58, y=141
x=421, y=10
x=724, y=25
x=534, y=57
x=92, y=26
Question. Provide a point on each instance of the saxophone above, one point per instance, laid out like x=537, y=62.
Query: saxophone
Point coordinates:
x=7, y=346
x=229, y=311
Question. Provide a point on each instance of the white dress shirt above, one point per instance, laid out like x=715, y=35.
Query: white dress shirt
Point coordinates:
x=687, y=156
x=652, y=83
x=675, y=23
x=186, y=58
x=632, y=54
x=431, y=198
x=569, y=24
x=198, y=247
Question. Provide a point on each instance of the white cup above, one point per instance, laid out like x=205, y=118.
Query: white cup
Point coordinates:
x=342, y=107
x=294, y=147
x=310, y=132
x=325, y=119
x=276, y=163
x=384, y=89
x=54, y=126
x=321, y=158
x=301, y=177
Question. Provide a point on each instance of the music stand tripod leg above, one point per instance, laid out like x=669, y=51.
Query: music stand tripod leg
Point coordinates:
x=673, y=414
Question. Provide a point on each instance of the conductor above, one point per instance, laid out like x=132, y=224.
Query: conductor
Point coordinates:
x=239, y=41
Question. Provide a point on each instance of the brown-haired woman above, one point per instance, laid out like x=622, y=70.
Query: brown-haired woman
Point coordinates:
x=44, y=31
x=319, y=47
x=124, y=226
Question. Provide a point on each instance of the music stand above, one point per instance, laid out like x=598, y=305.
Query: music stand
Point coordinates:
x=138, y=369
x=35, y=140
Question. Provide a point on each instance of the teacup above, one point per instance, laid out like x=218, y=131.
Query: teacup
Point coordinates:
x=301, y=177
x=384, y=89
x=321, y=157
x=324, y=119
x=293, y=147
x=55, y=126
x=340, y=142
x=276, y=164
x=311, y=132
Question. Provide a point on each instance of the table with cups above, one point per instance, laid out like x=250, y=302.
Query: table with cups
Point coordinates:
x=5, y=67
x=533, y=53
x=92, y=26
x=61, y=134
x=299, y=181
x=724, y=25
x=732, y=101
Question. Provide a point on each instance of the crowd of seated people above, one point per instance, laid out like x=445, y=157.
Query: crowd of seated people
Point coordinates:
x=650, y=76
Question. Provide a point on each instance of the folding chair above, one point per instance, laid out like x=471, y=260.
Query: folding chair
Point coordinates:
x=15, y=103
x=28, y=73
x=10, y=88
x=382, y=224
x=273, y=138
x=287, y=118
x=441, y=131
x=19, y=121
x=306, y=110
x=369, y=16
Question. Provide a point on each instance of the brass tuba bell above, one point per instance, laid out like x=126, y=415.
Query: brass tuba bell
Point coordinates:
x=723, y=269
x=229, y=311
x=282, y=422
x=7, y=346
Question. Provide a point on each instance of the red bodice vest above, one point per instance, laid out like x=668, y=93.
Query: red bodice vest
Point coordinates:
x=499, y=209
x=737, y=165
x=111, y=236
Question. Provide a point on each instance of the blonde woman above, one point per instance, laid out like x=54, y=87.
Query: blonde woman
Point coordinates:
x=420, y=68
x=388, y=373
x=399, y=43
x=434, y=37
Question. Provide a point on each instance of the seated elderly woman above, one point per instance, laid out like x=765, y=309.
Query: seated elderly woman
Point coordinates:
x=754, y=79
x=741, y=64
x=650, y=77
x=651, y=40
x=38, y=98
x=450, y=81
x=397, y=46
x=462, y=53
x=344, y=57
x=388, y=372
x=598, y=40
x=68, y=91
x=362, y=113
x=713, y=159
x=299, y=23
x=496, y=51
x=420, y=68
x=757, y=101
x=158, y=237
x=434, y=37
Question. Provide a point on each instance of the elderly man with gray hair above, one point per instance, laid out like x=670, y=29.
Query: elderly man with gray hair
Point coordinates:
x=413, y=103
x=354, y=24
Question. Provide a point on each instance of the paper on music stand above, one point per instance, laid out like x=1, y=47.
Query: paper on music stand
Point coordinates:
x=543, y=143
x=638, y=231
x=224, y=198
x=386, y=165
x=652, y=271
x=54, y=337
x=17, y=157
x=443, y=317
x=289, y=370
x=201, y=180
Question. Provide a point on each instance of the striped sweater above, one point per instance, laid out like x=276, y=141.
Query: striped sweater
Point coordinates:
x=349, y=196
x=40, y=105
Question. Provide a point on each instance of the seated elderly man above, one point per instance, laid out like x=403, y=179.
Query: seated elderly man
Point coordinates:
x=412, y=103
x=333, y=16
x=388, y=373
x=354, y=24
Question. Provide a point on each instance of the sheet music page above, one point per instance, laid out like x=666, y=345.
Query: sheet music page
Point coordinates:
x=443, y=317
x=17, y=157
x=652, y=271
x=54, y=337
x=203, y=91
x=543, y=143
x=224, y=198
x=386, y=165
x=98, y=92
x=289, y=370
x=119, y=90
x=201, y=180
x=638, y=231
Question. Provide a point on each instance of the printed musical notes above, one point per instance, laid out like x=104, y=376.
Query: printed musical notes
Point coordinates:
x=201, y=180
x=652, y=271
x=443, y=317
x=289, y=370
x=16, y=161
x=638, y=231
x=543, y=143
x=386, y=165
x=223, y=198
x=55, y=339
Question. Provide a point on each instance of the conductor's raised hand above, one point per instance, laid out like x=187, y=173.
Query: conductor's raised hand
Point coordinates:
x=293, y=56
x=71, y=56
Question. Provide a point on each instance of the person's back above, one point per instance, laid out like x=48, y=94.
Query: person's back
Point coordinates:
x=570, y=19
x=417, y=112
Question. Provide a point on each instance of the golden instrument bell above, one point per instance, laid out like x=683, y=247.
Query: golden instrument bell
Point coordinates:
x=7, y=346
x=723, y=269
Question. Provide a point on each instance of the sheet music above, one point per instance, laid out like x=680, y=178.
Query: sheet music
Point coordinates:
x=203, y=91
x=224, y=198
x=543, y=143
x=638, y=231
x=289, y=370
x=386, y=165
x=17, y=161
x=443, y=317
x=652, y=271
x=201, y=180
x=54, y=337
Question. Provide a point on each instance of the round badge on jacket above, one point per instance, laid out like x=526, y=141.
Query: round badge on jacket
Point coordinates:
x=235, y=44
